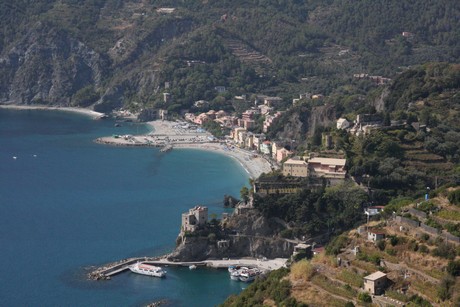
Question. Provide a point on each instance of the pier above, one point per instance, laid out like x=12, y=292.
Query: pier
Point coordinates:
x=109, y=270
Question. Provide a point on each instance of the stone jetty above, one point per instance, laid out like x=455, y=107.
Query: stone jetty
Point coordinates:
x=107, y=271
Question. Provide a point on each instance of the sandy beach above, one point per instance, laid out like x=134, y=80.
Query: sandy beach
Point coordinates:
x=175, y=134
x=88, y=112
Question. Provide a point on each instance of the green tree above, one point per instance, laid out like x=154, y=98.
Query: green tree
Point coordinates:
x=244, y=193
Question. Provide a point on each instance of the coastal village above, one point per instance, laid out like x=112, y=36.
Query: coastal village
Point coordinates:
x=380, y=276
x=339, y=120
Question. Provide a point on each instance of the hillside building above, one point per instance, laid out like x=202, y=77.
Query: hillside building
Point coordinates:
x=343, y=123
x=196, y=217
x=167, y=97
x=375, y=235
x=282, y=154
x=375, y=283
x=295, y=168
x=327, y=167
x=257, y=140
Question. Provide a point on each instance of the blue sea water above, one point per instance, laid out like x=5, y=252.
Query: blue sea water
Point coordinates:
x=67, y=203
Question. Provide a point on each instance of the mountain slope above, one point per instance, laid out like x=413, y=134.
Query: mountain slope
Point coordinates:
x=129, y=49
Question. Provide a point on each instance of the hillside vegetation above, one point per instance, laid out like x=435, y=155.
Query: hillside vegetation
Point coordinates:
x=422, y=267
x=127, y=50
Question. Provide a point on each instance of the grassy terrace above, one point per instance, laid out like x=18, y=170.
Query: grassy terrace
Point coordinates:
x=343, y=290
x=351, y=278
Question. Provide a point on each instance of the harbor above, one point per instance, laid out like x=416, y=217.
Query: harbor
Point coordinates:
x=106, y=272
x=168, y=135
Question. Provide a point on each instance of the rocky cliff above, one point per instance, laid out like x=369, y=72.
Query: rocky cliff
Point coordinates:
x=48, y=65
x=301, y=122
x=252, y=235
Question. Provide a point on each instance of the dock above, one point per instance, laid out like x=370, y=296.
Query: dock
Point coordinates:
x=107, y=271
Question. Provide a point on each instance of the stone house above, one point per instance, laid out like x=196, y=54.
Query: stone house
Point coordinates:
x=197, y=216
x=375, y=283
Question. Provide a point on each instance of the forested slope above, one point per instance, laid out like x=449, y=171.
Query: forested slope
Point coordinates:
x=122, y=52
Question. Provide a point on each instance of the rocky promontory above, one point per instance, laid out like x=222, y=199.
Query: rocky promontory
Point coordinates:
x=246, y=233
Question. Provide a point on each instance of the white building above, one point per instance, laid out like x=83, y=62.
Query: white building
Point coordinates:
x=343, y=123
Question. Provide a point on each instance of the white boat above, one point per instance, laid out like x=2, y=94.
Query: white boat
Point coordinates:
x=146, y=269
x=235, y=275
x=249, y=275
x=233, y=268
x=192, y=267
x=235, y=272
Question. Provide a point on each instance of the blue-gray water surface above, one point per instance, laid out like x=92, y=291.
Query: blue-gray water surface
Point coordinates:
x=67, y=203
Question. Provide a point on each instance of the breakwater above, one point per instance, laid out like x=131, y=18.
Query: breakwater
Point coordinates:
x=107, y=271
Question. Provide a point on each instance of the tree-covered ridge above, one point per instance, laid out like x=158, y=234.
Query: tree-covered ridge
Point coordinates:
x=305, y=46
x=423, y=150
x=315, y=212
x=375, y=28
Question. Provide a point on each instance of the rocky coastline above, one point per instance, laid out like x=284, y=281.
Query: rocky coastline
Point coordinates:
x=247, y=239
x=246, y=234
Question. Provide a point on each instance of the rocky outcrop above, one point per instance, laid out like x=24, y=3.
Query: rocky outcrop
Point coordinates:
x=47, y=65
x=252, y=235
x=303, y=121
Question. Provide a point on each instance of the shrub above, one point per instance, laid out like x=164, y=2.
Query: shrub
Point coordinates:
x=427, y=207
x=425, y=237
x=281, y=292
x=302, y=270
x=391, y=252
x=334, y=247
x=432, y=223
x=394, y=240
x=364, y=297
x=454, y=197
x=375, y=259
x=445, y=288
x=419, y=301
x=453, y=268
x=413, y=245
x=446, y=251
x=423, y=249
x=380, y=244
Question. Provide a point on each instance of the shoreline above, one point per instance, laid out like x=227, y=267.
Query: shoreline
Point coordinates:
x=254, y=167
x=169, y=133
x=83, y=111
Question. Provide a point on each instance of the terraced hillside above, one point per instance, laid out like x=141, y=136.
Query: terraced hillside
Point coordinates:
x=420, y=262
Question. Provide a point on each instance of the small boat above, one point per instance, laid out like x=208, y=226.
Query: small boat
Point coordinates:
x=235, y=272
x=249, y=275
x=233, y=268
x=192, y=267
x=235, y=275
x=146, y=269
